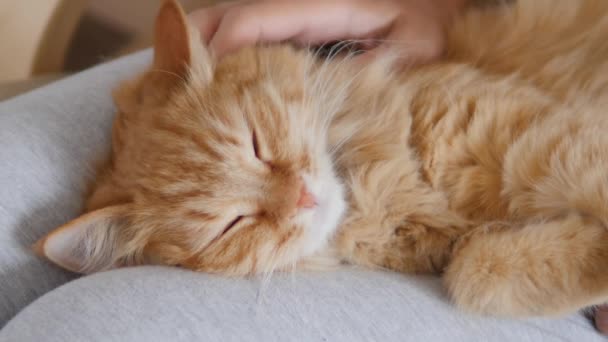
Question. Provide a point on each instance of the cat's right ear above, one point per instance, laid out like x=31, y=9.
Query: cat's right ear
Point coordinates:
x=179, y=58
x=172, y=40
x=178, y=51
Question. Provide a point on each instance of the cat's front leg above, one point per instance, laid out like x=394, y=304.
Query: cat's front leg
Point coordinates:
x=542, y=268
x=396, y=221
x=405, y=246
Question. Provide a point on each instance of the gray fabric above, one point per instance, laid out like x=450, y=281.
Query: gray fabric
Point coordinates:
x=49, y=140
x=157, y=304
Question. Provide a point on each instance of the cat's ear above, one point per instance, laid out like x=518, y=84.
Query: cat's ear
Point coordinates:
x=179, y=57
x=178, y=49
x=172, y=39
x=88, y=244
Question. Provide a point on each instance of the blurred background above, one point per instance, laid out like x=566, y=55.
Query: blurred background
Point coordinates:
x=45, y=40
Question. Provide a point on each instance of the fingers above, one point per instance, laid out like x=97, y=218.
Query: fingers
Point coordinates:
x=410, y=32
x=409, y=43
x=311, y=21
x=207, y=20
x=601, y=319
x=274, y=21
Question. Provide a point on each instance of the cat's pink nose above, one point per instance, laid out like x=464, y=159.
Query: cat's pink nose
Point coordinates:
x=306, y=199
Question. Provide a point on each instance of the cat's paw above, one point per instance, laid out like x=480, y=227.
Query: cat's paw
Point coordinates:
x=479, y=288
x=486, y=228
x=480, y=279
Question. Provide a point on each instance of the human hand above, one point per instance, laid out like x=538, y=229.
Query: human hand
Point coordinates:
x=414, y=29
x=601, y=319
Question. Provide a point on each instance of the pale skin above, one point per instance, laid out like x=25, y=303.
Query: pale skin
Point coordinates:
x=414, y=29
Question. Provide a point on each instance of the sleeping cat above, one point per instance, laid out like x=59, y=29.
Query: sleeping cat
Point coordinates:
x=489, y=167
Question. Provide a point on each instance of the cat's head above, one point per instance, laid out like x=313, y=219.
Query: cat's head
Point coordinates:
x=220, y=167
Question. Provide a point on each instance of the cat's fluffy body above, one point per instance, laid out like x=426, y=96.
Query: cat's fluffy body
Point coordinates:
x=488, y=167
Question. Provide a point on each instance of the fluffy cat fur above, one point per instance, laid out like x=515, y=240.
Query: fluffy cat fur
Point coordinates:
x=488, y=167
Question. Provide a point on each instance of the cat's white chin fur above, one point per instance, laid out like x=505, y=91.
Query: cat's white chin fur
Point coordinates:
x=322, y=221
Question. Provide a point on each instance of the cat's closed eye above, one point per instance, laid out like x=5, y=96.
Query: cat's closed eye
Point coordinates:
x=256, y=146
x=231, y=225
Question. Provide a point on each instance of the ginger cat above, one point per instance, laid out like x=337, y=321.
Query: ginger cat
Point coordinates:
x=489, y=167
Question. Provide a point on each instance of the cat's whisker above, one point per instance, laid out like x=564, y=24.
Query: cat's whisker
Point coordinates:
x=167, y=72
x=259, y=296
x=327, y=62
x=339, y=144
x=268, y=272
x=332, y=101
x=375, y=104
x=346, y=85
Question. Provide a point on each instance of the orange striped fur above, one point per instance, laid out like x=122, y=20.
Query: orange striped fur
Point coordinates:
x=488, y=167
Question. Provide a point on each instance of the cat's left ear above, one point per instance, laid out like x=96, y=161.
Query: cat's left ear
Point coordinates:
x=88, y=244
